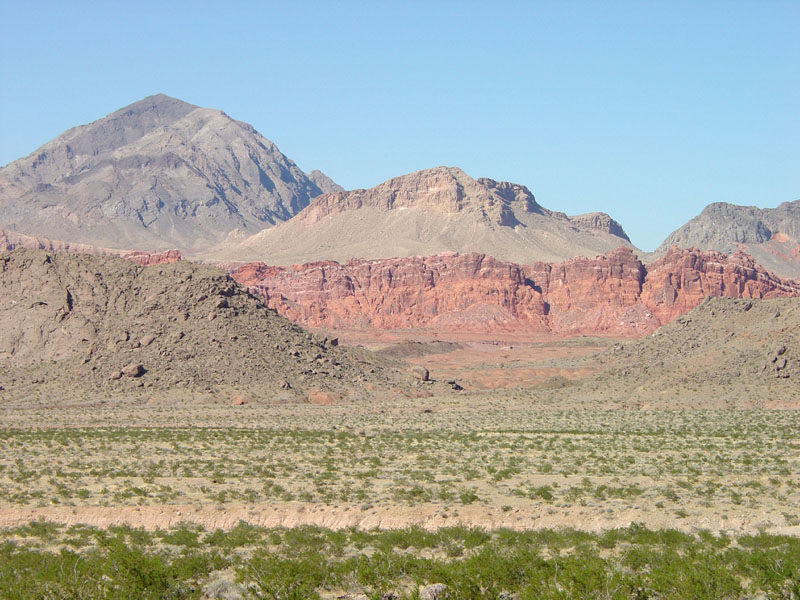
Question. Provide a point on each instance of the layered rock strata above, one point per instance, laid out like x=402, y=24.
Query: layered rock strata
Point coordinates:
x=11, y=240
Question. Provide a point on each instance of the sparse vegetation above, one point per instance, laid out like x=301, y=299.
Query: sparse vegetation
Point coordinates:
x=700, y=462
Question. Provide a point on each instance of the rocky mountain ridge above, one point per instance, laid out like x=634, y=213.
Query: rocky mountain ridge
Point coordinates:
x=429, y=212
x=614, y=294
x=160, y=173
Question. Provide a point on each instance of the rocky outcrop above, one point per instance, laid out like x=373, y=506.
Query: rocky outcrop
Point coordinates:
x=160, y=173
x=450, y=290
x=11, y=240
x=720, y=226
x=681, y=279
x=323, y=182
x=426, y=213
x=725, y=352
x=614, y=294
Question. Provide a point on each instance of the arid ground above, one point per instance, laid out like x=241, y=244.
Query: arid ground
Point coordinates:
x=542, y=437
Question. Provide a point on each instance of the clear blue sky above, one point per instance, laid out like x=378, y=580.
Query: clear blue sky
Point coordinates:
x=645, y=110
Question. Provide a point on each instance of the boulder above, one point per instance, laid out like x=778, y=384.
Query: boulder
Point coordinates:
x=133, y=370
x=420, y=373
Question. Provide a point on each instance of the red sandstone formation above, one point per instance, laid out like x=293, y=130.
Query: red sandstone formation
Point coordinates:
x=613, y=294
x=681, y=279
x=147, y=259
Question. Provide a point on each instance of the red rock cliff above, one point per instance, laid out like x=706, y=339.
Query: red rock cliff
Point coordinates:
x=612, y=294
x=681, y=279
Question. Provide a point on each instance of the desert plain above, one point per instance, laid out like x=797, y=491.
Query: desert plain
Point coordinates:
x=540, y=443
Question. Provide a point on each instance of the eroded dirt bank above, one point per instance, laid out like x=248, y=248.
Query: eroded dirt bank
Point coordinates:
x=430, y=517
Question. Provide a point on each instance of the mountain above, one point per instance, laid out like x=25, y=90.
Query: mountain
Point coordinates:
x=325, y=183
x=430, y=212
x=157, y=174
x=615, y=294
x=770, y=235
x=81, y=325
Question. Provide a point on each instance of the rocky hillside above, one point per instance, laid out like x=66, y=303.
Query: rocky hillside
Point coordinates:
x=157, y=174
x=82, y=326
x=725, y=352
x=429, y=212
x=770, y=235
x=614, y=294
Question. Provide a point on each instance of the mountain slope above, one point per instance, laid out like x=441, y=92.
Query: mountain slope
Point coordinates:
x=429, y=212
x=725, y=352
x=770, y=235
x=157, y=174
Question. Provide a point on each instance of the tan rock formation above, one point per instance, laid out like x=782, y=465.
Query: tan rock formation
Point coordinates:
x=426, y=213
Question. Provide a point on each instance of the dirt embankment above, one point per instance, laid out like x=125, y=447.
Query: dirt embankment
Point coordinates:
x=430, y=517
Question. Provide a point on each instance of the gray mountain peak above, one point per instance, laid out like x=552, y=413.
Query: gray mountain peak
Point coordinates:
x=159, y=173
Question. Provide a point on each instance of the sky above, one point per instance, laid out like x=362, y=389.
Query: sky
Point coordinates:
x=642, y=109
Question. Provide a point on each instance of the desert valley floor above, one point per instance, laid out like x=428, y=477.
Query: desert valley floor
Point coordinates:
x=521, y=448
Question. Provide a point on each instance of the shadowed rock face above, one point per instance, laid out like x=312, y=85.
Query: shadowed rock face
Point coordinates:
x=157, y=174
x=770, y=235
x=429, y=212
x=613, y=294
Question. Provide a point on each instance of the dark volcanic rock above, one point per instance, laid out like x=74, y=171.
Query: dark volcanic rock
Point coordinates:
x=770, y=235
